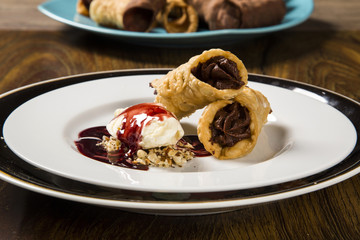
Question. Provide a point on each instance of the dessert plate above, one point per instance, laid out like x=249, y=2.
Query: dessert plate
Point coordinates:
x=65, y=11
x=298, y=141
x=39, y=154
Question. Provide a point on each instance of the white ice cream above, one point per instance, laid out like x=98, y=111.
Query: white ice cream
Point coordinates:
x=156, y=133
x=115, y=124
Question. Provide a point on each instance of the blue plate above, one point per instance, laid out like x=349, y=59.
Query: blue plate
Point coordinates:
x=65, y=11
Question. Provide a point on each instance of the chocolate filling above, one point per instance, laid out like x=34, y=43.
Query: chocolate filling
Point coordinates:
x=219, y=72
x=230, y=125
x=138, y=19
x=228, y=16
x=87, y=3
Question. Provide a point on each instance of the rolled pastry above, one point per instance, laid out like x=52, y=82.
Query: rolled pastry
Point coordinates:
x=230, y=128
x=215, y=74
x=178, y=17
x=226, y=14
x=82, y=7
x=131, y=15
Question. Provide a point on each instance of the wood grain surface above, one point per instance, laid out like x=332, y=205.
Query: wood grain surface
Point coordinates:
x=326, y=59
x=324, y=51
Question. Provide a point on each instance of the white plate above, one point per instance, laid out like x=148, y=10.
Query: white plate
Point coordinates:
x=16, y=171
x=304, y=136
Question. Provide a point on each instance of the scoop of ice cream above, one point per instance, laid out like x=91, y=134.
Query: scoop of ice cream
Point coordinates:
x=146, y=125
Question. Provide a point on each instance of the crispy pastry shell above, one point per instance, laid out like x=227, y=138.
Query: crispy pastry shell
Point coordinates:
x=108, y=12
x=187, y=22
x=258, y=107
x=182, y=93
x=81, y=9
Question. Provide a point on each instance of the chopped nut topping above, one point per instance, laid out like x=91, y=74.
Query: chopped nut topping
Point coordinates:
x=168, y=156
x=110, y=144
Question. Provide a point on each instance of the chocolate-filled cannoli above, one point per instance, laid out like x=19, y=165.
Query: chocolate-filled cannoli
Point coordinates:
x=228, y=14
x=215, y=74
x=229, y=129
x=131, y=15
x=178, y=17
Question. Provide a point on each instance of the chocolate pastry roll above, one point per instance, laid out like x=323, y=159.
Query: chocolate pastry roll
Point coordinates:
x=83, y=6
x=230, y=128
x=131, y=15
x=178, y=17
x=226, y=14
x=213, y=75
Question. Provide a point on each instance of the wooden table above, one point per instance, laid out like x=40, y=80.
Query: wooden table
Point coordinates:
x=324, y=51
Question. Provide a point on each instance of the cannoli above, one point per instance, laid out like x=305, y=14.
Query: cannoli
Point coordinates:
x=227, y=14
x=213, y=75
x=229, y=129
x=131, y=15
x=82, y=7
x=178, y=17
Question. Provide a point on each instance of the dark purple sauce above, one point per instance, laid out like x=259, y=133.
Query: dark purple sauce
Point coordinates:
x=87, y=144
x=199, y=150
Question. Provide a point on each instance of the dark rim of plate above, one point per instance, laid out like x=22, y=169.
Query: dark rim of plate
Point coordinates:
x=18, y=170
